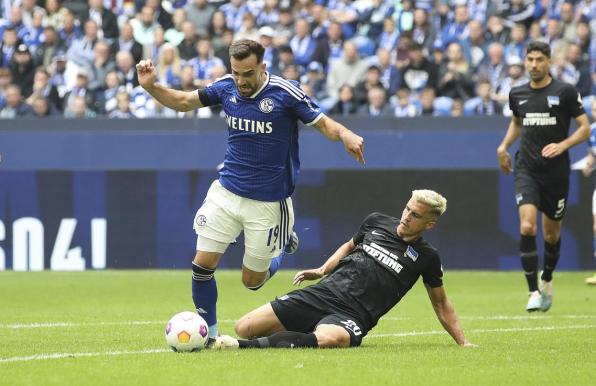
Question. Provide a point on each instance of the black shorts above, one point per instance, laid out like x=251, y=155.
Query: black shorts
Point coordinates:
x=548, y=193
x=304, y=309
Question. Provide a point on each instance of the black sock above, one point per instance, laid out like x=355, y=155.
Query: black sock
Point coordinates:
x=529, y=261
x=551, y=257
x=284, y=339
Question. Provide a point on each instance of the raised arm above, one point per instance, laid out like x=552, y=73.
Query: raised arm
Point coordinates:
x=328, y=266
x=334, y=130
x=446, y=315
x=174, y=99
x=579, y=135
x=513, y=133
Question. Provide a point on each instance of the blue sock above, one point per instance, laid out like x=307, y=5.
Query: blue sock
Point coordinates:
x=204, y=295
x=275, y=263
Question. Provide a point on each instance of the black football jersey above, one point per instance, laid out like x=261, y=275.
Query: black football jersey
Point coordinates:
x=382, y=269
x=545, y=116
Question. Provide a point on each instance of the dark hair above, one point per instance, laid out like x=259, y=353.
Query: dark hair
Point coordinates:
x=244, y=48
x=538, y=46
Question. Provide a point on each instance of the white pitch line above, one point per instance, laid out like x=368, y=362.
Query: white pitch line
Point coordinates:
x=16, y=326
x=159, y=351
x=79, y=355
x=483, y=330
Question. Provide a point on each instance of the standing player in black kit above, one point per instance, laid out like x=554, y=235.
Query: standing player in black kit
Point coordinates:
x=542, y=111
x=363, y=280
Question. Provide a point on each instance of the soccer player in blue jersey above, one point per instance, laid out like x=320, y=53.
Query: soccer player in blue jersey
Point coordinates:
x=259, y=171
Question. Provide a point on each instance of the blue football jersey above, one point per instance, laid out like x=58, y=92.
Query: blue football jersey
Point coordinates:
x=261, y=161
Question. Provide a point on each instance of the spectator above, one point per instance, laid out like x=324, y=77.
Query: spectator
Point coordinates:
x=199, y=13
x=55, y=14
x=389, y=36
x=126, y=68
x=123, y=106
x=495, y=69
x=390, y=75
x=374, y=18
x=402, y=53
x=168, y=66
x=102, y=64
x=427, y=101
x=23, y=69
x=217, y=27
x=43, y=89
x=455, y=75
x=35, y=36
x=457, y=108
x=349, y=70
x=423, y=32
x=517, y=44
x=303, y=45
x=420, y=72
x=475, y=46
x=291, y=72
x=516, y=77
x=144, y=26
x=204, y=62
x=41, y=108
x=377, y=105
x=284, y=30
x=174, y=34
x=346, y=105
x=187, y=45
x=5, y=81
x=345, y=13
x=478, y=10
x=269, y=15
x=70, y=30
x=266, y=39
x=107, y=99
x=248, y=29
x=160, y=15
x=584, y=38
x=315, y=80
x=28, y=9
x=568, y=22
x=105, y=20
x=484, y=104
x=127, y=42
x=285, y=58
x=48, y=48
x=155, y=47
x=330, y=46
x=10, y=41
x=15, y=107
x=581, y=68
x=234, y=11
x=404, y=16
x=81, y=90
x=81, y=53
x=372, y=79
x=404, y=106
x=458, y=29
x=518, y=11
x=223, y=52
x=77, y=108
x=320, y=22
x=496, y=30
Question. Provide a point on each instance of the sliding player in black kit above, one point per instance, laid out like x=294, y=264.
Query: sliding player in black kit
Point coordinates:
x=363, y=280
x=542, y=110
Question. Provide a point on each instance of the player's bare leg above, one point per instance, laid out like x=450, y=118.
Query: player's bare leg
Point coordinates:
x=253, y=280
x=259, y=322
x=551, y=230
x=528, y=214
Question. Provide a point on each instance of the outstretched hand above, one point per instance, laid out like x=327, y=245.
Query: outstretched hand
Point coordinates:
x=354, y=145
x=309, y=274
x=147, y=74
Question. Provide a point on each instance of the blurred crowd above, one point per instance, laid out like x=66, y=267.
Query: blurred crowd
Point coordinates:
x=76, y=58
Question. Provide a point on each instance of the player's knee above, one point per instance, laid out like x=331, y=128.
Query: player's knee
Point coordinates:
x=330, y=340
x=527, y=228
x=551, y=237
x=253, y=283
x=242, y=328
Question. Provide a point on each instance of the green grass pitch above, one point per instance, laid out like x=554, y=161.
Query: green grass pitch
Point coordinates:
x=107, y=328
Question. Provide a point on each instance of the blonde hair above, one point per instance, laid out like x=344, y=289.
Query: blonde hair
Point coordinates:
x=436, y=202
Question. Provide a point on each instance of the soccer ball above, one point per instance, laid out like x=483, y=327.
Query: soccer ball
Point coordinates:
x=186, y=332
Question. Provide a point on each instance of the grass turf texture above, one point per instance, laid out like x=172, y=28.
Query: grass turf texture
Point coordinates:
x=107, y=328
